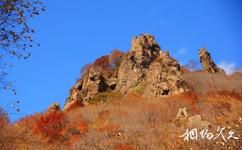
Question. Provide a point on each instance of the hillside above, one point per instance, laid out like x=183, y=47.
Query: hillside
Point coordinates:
x=143, y=99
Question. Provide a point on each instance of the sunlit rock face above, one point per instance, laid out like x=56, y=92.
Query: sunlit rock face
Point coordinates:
x=144, y=50
x=145, y=68
x=164, y=77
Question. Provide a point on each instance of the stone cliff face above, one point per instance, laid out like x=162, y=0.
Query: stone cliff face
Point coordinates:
x=135, y=65
x=164, y=77
x=145, y=69
x=207, y=62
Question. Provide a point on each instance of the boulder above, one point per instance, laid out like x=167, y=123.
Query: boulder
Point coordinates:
x=197, y=122
x=194, y=121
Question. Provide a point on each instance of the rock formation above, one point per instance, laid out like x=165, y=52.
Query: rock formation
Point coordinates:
x=92, y=83
x=197, y=122
x=207, y=62
x=194, y=121
x=182, y=114
x=164, y=77
x=145, y=67
x=135, y=65
x=54, y=107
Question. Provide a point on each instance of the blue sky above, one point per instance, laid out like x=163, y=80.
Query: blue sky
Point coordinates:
x=76, y=32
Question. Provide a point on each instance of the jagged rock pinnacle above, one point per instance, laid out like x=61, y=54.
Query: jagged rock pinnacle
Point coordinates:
x=145, y=69
x=207, y=62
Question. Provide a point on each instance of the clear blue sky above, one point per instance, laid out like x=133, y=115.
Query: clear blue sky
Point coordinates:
x=74, y=33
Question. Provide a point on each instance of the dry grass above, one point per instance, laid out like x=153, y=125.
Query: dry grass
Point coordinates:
x=203, y=83
x=135, y=123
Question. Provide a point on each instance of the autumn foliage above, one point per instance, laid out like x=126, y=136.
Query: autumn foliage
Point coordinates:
x=133, y=122
x=50, y=124
x=102, y=62
x=124, y=147
x=3, y=118
x=109, y=63
x=82, y=127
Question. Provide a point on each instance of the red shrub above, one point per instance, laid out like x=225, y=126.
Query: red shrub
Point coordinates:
x=103, y=65
x=82, y=127
x=225, y=94
x=3, y=118
x=190, y=96
x=2, y=122
x=110, y=129
x=115, y=57
x=124, y=147
x=102, y=62
x=50, y=124
x=28, y=122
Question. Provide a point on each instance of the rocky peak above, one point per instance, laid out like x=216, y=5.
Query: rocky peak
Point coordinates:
x=133, y=68
x=164, y=77
x=144, y=49
x=207, y=62
x=145, y=68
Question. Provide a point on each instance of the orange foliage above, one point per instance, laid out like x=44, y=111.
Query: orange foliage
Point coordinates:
x=124, y=147
x=227, y=94
x=3, y=118
x=108, y=63
x=115, y=56
x=50, y=124
x=103, y=65
x=132, y=96
x=3, y=122
x=82, y=127
x=28, y=122
x=102, y=62
x=74, y=104
x=191, y=99
x=111, y=129
x=103, y=114
x=189, y=96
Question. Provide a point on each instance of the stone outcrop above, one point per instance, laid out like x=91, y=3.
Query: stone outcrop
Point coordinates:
x=182, y=114
x=164, y=77
x=144, y=49
x=145, y=67
x=133, y=68
x=194, y=121
x=197, y=122
x=92, y=83
x=207, y=62
x=54, y=107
